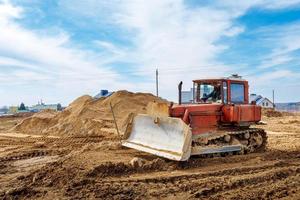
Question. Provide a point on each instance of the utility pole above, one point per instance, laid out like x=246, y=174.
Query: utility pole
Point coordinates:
x=273, y=99
x=157, y=82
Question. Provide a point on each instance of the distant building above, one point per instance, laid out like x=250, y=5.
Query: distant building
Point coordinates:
x=261, y=101
x=13, y=110
x=103, y=93
x=41, y=106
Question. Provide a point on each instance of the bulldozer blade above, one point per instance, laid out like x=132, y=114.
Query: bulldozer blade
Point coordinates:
x=162, y=136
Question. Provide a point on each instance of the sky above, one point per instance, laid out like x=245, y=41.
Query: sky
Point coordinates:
x=59, y=50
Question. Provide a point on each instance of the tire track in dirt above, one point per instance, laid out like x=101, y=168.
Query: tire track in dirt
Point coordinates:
x=202, y=175
x=9, y=141
x=197, y=188
x=186, y=181
x=264, y=190
x=119, y=169
x=25, y=155
x=265, y=178
x=163, y=185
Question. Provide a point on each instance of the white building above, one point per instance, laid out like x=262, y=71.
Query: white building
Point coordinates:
x=261, y=101
x=187, y=96
x=41, y=106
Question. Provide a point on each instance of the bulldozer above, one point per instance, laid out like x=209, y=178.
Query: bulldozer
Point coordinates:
x=217, y=121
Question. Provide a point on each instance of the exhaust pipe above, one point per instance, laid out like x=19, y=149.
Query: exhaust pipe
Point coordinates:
x=179, y=92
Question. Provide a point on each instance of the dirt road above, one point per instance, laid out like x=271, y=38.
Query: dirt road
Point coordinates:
x=48, y=167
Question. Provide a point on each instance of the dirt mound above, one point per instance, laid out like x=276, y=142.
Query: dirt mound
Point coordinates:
x=271, y=113
x=267, y=112
x=36, y=123
x=88, y=116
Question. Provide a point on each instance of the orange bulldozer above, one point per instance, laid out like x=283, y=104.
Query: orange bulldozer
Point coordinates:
x=217, y=121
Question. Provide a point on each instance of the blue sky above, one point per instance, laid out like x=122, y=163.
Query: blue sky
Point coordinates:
x=59, y=50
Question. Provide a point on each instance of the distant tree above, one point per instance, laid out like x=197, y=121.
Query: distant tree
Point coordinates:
x=22, y=106
x=59, y=107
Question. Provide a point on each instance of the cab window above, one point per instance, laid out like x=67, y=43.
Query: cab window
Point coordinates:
x=237, y=92
x=209, y=92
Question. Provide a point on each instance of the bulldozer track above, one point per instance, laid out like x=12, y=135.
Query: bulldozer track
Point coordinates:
x=239, y=133
x=217, y=136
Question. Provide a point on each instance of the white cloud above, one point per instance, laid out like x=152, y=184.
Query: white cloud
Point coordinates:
x=168, y=34
x=280, y=4
x=270, y=76
x=242, y=6
x=11, y=62
x=7, y=12
x=264, y=83
x=46, y=59
x=284, y=82
x=234, y=31
x=288, y=40
x=180, y=40
x=282, y=42
x=276, y=61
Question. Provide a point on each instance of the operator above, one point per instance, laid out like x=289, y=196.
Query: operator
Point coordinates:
x=215, y=95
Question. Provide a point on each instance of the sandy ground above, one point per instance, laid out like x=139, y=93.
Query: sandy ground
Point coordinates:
x=44, y=167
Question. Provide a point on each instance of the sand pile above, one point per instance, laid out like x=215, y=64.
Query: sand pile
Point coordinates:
x=88, y=116
x=271, y=113
x=37, y=122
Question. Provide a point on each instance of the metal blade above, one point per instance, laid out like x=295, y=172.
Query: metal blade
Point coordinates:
x=162, y=136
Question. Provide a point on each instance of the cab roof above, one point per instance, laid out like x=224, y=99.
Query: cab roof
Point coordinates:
x=233, y=77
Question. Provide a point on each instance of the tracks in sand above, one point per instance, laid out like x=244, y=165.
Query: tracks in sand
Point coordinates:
x=273, y=177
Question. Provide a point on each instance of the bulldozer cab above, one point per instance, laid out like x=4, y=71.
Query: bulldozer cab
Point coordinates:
x=231, y=90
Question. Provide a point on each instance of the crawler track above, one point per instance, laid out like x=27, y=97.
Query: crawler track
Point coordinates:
x=251, y=140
